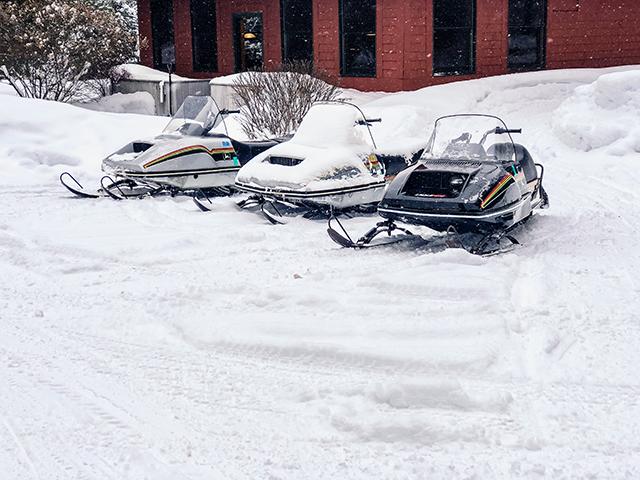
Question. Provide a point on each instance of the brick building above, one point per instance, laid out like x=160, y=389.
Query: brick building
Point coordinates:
x=389, y=44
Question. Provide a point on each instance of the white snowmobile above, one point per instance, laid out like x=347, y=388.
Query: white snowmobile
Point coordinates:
x=190, y=156
x=329, y=164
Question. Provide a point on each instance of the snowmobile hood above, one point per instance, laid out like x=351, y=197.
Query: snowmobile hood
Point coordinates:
x=307, y=168
x=167, y=153
x=435, y=182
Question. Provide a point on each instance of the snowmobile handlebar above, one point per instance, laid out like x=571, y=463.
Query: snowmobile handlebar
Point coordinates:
x=500, y=131
x=369, y=121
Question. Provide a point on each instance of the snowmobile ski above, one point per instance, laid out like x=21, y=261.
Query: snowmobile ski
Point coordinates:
x=388, y=227
x=201, y=205
x=271, y=213
x=78, y=189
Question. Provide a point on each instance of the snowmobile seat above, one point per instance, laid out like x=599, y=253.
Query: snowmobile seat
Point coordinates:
x=523, y=158
x=248, y=149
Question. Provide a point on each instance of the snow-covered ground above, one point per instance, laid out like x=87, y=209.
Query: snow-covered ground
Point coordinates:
x=144, y=339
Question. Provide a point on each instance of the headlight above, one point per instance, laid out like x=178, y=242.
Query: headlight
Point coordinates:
x=456, y=181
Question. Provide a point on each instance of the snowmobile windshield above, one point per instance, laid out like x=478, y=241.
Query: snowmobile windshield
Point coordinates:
x=470, y=137
x=329, y=124
x=196, y=116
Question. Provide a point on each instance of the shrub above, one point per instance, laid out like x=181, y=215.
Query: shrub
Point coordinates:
x=48, y=46
x=274, y=103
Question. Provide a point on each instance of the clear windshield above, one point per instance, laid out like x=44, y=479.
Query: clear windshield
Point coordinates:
x=479, y=138
x=196, y=116
x=333, y=123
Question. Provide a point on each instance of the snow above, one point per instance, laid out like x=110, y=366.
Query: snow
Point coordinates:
x=141, y=103
x=135, y=71
x=40, y=139
x=603, y=114
x=6, y=89
x=143, y=339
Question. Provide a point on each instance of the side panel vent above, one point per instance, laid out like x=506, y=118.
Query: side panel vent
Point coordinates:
x=285, y=161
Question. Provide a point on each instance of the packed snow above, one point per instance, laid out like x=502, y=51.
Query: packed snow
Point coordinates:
x=144, y=339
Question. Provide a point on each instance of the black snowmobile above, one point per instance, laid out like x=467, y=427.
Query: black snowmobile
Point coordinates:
x=191, y=156
x=473, y=183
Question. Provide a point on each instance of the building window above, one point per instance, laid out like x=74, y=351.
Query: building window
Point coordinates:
x=527, y=34
x=358, y=38
x=297, y=30
x=454, y=37
x=162, y=33
x=203, y=35
x=248, y=44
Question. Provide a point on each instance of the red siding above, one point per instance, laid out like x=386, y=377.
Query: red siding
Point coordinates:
x=594, y=34
x=144, y=29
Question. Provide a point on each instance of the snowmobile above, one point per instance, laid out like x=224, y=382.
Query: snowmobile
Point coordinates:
x=473, y=184
x=190, y=156
x=329, y=164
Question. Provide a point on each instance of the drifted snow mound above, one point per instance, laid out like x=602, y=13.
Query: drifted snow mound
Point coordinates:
x=139, y=102
x=40, y=138
x=604, y=113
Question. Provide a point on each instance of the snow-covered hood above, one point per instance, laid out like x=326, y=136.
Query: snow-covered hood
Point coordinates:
x=303, y=167
x=331, y=149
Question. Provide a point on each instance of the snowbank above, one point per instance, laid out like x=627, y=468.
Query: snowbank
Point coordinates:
x=602, y=114
x=141, y=103
x=39, y=139
x=407, y=117
x=6, y=89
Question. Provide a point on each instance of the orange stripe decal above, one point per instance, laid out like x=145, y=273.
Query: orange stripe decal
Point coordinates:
x=187, y=150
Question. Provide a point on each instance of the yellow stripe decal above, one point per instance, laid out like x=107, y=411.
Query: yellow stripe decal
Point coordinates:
x=495, y=190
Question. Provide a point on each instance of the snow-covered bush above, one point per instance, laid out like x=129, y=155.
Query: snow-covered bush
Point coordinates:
x=49, y=46
x=274, y=103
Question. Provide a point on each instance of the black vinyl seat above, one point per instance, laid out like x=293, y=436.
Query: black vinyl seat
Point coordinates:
x=246, y=150
x=523, y=158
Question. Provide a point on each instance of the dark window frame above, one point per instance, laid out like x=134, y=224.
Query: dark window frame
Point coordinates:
x=159, y=14
x=284, y=34
x=373, y=73
x=198, y=64
x=473, y=32
x=542, y=41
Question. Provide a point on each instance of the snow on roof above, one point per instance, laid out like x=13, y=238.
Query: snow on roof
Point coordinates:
x=140, y=72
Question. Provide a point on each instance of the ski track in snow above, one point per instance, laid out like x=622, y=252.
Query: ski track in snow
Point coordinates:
x=143, y=339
